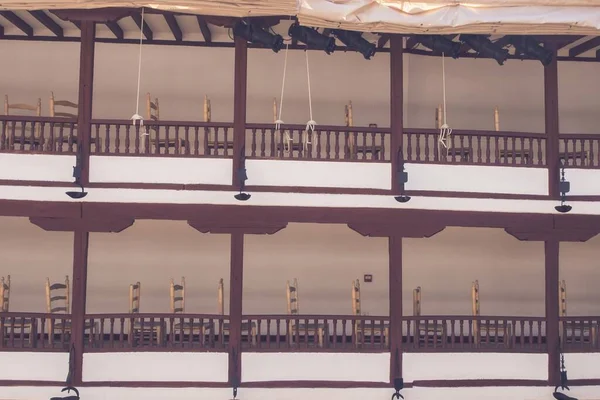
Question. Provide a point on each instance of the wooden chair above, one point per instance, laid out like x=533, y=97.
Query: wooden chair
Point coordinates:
x=155, y=139
x=316, y=330
x=353, y=148
x=137, y=330
x=503, y=331
x=16, y=325
x=177, y=294
x=248, y=328
x=362, y=329
x=213, y=144
x=4, y=293
x=33, y=139
x=58, y=302
x=570, y=331
x=62, y=113
x=426, y=331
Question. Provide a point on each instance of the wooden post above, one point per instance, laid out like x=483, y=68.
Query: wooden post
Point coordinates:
x=552, y=126
x=551, y=250
x=395, y=260
x=239, y=104
x=86, y=90
x=236, y=286
x=397, y=99
x=80, y=257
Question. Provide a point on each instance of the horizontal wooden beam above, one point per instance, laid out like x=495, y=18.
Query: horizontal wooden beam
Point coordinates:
x=242, y=227
x=48, y=22
x=101, y=15
x=560, y=235
x=18, y=22
x=424, y=230
x=82, y=224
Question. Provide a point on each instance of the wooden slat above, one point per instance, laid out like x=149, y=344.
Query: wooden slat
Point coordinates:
x=48, y=22
x=383, y=39
x=204, y=29
x=146, y=28
x=174, y=26
x=115, y=29
x=18, y=22
x=585, y=46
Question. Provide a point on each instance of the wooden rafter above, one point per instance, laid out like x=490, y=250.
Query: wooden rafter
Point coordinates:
x=204, y=29
x=383, y=39
x=585, y=46
x=146, y=28
x=115, y=29
x=174, y=26
x=48, y=22
x=1, y=30
x=18, y=22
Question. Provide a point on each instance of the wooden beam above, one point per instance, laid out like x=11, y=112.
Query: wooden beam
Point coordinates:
x=86, y=89
x=396, y=107
x=115, y=29
x=551, y=123
x=204, y=29
x=426, y=229
x=82, y=224
x=383, y=39
x=174, y=26
x=18, y=22
x=1, y=30
x=253, y=228
x=395, y=295
x=562, y=235
x=585, y=46
x=48, y=22
x=80, y=269
x=146, y=28
x=236, y=288
x=551, y=254
x=77, y=24
x=412, y=42
x=240, y=81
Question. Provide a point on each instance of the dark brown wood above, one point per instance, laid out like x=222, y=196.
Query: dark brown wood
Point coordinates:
x=156, y=384
x=239, y=106
x=80, y=259
x=86, y=91
x=412, y=42
x=396, y=107
x=315, y=384
x=115, y=29
x=1, y=31
x=551, y=254
x=383, y=40
x=204, y=28
x=207, y=226
x=556, y=234
x=395, y=291
x=236, y=285
x=425, y=230
x=480, y=383
x=585, y=46
x=48, y=22
x=18, y=208
x=552, y=126
x=148, y=34
x=174, y=26
x=100, y=15
x=81, y=224
x=18, y=22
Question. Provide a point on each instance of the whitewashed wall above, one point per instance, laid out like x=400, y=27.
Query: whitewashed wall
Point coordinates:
x=36, y=167
x=25, y=366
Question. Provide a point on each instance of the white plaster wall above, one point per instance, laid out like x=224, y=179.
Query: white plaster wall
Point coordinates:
x=477, y=179
x=156, y=367
x=25, y=366
x=365, y=367
x=319, y=174
x=161, y=170
x=113, y=393
x=584, y=182
x=447, y=366
x=36, y=167
x=582, y=365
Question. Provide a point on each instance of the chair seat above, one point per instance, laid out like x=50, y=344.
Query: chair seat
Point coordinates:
x=309, y=326
x=245, y=326
x=147, y=324
x=188, y=325
x=18, y=322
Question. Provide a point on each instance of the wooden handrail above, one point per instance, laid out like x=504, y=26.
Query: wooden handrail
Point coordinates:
x=26, y=118
x=472, y=132
x=163, y=123
x=350, y=129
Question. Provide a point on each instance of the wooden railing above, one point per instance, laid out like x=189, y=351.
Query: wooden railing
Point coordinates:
x=162, y=138
x=475, y=147
x=186, y=332
x=38, y=135
x=581, y=151
x=580, y=334
x=28, y=331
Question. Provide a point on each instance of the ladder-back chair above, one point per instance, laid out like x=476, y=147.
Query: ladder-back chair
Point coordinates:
x=354, y=149
x=4, y=293
x=424, y=329
x=17, y=325
x=154, y=131
x=361, y=327
x=570, y=331
x=503, y=331
x=248, y=328
x=58, y=302
x=298, y=327
x=63, y=106
x=25, y=136
x=177, y=294
x=212, y=142
x=139, y=329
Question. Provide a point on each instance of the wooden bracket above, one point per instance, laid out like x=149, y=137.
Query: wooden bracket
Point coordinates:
x=247, y=228
x=102, y=15
x=82, y=224
x=424, y=230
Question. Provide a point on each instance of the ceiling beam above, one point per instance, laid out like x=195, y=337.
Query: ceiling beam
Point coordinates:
x=1, y=30
x=48, y=22
x=412, y=42
x=174, y=26
x=204, y=29
x=115, y=29
x=585, y=46
x=18, y=22
x=383, y=39
x=146, y=29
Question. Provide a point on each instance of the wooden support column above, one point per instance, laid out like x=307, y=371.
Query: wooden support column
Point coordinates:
x=80, y=257
x=239, y=104
x=551, y=251
x=396, y=104
x=395, y=260
x=86, y=89
x=552, y=126
x=236, y=283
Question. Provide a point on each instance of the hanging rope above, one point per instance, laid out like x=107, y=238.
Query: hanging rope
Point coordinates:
x=287, y=140
x=445, y=130
x=137, y=116
x=310, y=125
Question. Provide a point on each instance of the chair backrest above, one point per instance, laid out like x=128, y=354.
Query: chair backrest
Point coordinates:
x=475, y=298
x=348, y=111
x=177, y=293
x=135, y=294
x=152, y=109
x=356, y=310
x=417, y=301
x=61, y=103
x=221, y=297
x=4, y=293
x=57, y=297
x=207, y=109
x=293, y=308
x=562, y=298
x=32, y=108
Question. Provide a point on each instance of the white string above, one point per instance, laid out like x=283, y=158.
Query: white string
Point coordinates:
x=279, y=121
x=445, y=130
x=137, y=116
x=444, y=84
x=310, y=125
